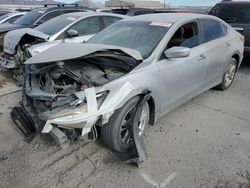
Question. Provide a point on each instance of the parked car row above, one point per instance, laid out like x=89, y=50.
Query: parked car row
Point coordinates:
x=36, y=17
x=86, y=73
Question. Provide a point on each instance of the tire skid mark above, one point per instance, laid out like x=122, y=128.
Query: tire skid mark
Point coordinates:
x=77, y=157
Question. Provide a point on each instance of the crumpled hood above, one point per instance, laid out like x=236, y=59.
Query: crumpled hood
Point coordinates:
x=12, y=38
x=5, y=27
x=67, y=51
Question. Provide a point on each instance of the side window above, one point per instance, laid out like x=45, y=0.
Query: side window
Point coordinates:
x=49, y=16
x=108, y=20
x=87, y=26
x=186, y=36
x=212, y=30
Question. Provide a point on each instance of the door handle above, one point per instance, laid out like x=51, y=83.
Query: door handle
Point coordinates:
x=227, y=45
x=202, y=57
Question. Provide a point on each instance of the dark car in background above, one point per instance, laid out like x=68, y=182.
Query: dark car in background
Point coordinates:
x=237, y=14
x=39, y=16
x=181, y=10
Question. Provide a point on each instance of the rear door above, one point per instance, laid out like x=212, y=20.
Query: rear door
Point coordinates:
x=217, y=43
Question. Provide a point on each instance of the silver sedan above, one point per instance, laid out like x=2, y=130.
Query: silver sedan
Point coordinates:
x=129, y=75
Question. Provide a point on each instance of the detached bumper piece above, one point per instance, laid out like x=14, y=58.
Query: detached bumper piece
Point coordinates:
x=137, y=155
x=23, y=122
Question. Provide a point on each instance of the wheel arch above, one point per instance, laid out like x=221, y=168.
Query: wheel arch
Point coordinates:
x=151, y=103
x=237, y=58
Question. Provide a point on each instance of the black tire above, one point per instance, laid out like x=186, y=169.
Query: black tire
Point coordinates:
x=111, y=132
x=223, y=85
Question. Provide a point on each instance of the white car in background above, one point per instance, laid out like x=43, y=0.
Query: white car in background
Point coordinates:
x=20, y=45
x=11, y=17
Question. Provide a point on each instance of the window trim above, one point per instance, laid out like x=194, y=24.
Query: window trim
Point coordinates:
x=203, y=33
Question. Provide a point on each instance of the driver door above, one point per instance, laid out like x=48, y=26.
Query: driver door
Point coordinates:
x=184, y=77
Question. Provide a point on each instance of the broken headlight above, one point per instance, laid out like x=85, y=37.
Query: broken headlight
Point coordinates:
x=63, y=100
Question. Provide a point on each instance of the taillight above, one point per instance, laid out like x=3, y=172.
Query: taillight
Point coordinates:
x=242, y=38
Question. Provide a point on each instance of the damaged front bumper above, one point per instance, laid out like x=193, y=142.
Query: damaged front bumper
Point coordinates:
x=92, y=106
x=82, y=117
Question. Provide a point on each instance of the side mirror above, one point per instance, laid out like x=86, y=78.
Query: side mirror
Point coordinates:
x=177, y=52
x=71, y=33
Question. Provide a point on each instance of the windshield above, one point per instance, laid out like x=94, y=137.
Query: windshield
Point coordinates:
x=232, y=13
x=143, y=36
x=56, y=24
x=29, y=18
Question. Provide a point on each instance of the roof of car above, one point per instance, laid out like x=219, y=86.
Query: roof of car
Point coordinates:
x=49, y=8
x=83, y=14
x=167, y=17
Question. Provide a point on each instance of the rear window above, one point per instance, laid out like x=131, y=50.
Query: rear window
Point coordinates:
x=108, y=20
x=30, y=17
x=232, y=13
x=56, y=24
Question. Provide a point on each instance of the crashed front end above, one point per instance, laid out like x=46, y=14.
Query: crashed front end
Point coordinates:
x=16, y=49
x=68, y=95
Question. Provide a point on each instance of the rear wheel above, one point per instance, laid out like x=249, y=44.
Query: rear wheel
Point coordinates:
x=117, y=133
x=229, y=75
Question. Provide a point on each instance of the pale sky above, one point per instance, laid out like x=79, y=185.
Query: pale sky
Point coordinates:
x=173, y=2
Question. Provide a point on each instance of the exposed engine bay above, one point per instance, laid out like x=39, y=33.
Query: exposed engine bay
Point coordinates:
x=56, y=87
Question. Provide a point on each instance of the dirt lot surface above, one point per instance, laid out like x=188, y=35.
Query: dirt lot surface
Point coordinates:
x=204, y=143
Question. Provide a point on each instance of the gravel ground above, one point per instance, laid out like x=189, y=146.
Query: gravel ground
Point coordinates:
x=204, y=143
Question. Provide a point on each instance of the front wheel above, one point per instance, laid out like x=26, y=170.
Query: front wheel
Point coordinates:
x=117, y=133
x=229, y=75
